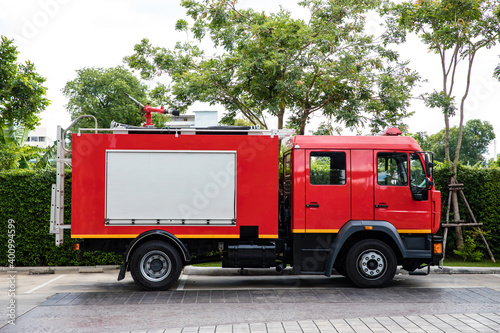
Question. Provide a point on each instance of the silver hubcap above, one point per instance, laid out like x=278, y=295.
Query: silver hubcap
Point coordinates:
x=155, y=266
x=371, y=264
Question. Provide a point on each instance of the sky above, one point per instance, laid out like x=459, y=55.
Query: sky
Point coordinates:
x=62, y=36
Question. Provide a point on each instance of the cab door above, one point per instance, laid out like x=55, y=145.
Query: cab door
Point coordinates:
x=395, y=173
x=328, y=190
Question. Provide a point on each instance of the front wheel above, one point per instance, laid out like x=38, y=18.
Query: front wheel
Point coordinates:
x=155, y=265
x=371, y=263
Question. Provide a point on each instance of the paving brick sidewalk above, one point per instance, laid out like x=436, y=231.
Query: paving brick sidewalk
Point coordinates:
x=461, y=322
x=280, y=296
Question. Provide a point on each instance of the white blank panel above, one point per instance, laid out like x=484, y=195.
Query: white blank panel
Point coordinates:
x=170, y=186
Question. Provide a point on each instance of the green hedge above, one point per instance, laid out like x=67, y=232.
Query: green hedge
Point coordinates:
x=482, y=191
x=25, y=197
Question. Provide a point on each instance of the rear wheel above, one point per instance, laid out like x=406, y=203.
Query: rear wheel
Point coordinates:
x=155, y=265
x=371, y=263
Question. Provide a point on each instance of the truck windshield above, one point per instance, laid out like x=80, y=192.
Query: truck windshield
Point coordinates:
x=417, y=171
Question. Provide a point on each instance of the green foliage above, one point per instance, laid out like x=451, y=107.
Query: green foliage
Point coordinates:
x=482, y=190
x=18, y=157
x=44, y=161
x=22, y=94
x=453, y=29
x=477, y=136
x=13, y=151
x=468, y=251
x=320, y=170
x=25, y=196
x=22, y=98
x=100, y=92
x=496, y=72
x=443, y=101
x=269, y=64
x=494, y=163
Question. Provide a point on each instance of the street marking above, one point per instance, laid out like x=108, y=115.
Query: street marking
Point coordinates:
x=182, y=282
x=497, y=275
x=46, y=283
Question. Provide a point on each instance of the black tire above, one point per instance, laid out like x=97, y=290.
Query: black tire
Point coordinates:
x=155, y=265
x=371, y=263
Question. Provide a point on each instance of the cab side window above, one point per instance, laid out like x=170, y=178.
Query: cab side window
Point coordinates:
x=392, y=169
x=327, y=168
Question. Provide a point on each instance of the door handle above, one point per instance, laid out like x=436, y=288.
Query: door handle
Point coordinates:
x=312, y=205
x=382, y=206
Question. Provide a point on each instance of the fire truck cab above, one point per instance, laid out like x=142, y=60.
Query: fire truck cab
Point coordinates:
x=361, y=205
x=166, y=198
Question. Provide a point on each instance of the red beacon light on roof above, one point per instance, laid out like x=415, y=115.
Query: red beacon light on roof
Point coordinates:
x=393, y=131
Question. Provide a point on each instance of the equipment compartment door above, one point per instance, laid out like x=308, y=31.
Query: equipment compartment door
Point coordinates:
x=328, y=190
x=393, y=198
x=155, y=187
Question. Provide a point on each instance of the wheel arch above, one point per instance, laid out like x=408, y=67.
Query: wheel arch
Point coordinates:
x=148, y=236
x=355, y=231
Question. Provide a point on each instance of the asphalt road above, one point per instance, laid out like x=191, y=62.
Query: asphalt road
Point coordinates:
x=96, y=302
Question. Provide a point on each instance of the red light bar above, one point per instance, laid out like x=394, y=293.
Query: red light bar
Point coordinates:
x=393, y=131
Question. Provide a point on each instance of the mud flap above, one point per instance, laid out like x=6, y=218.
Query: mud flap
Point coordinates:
x=123, y=270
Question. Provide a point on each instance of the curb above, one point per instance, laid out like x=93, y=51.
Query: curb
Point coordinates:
x=465, y=270
x=60, y=269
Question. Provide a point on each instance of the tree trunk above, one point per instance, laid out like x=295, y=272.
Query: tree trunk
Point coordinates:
x=456, y=212
x=459, y=242
x=303, y=120
x=447, y=139
x=281, y=115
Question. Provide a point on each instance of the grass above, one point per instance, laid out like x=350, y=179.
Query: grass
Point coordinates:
x=210, y=264
x=460, y=263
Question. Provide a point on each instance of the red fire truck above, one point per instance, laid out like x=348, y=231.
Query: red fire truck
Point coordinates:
x=166, y=198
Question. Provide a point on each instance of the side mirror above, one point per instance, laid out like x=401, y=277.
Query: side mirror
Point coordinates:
x=428, y=183
x=428, y=164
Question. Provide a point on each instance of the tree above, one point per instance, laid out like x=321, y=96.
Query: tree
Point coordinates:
x=477, y=136
x=455, y=30
x=494, y=163
x=22, y=94
x=278, y=66
x=100, y=92
x=496, y=72
x=13, y=151
x=22, y=98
